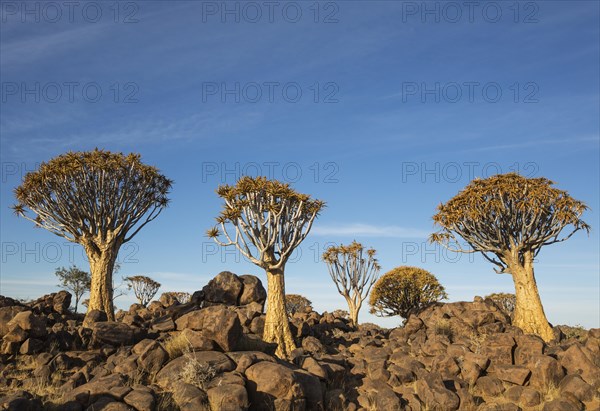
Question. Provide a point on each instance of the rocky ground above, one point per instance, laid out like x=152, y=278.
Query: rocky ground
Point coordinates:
x=208, y=355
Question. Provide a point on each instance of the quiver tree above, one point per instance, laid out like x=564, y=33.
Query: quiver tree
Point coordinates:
x=508, y=219
x=354, y=270
x=405, y=290
x=505, y=301
x=98, y=199
x=295, y=303
x=75, y=280
x=144, y=288
x=267, y=220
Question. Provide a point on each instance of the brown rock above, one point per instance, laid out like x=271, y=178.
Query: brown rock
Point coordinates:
x=189, y=397
x=252, y=291
x=270, y=384
x=141, y=400
x=172, y=371
x=7, y=314
x=114, y=333
x=575, y=385
x=151, y=355
x=545, y=371
x=33, y=325
x=434, y=394
x=217, y=323
x=490, y=386
x=225, y=288
x=514, y=374
x=228, y=397
x=576, y=361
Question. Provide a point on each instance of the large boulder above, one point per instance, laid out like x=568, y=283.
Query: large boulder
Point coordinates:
x=252, y=291
x=274, y=386
x=230, y=289
x=7, y=314
x=114, y=333
x=218, y=323
x=203, y=360
x=225, y=288
x=33, y=325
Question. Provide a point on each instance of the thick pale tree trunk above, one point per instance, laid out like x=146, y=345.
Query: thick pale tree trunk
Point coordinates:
x=277, y=328
x=529, y=313
x=102, y=263
x=353, y=309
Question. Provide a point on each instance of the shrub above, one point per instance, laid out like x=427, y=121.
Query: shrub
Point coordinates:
x=405, y=290
x=295, y=303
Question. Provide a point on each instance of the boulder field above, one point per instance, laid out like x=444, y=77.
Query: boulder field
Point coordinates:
x=208, y=354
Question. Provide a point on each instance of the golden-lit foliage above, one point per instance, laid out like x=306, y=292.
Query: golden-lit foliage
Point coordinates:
x=96, y=195
x=269, y=218
x=405, y=290
x=506, y=214
x=505, y=301
x=144, y=288
x=296, y=303
x=354, y=270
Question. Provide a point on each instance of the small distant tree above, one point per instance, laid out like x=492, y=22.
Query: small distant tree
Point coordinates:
x=508, y=218
x=144, y=288
x=296, y=303
x=98, y=199
x=405, y=290
x=267, y=221
x=74, y=280
x=505, y=301
x=180, y=296
x=354, y=270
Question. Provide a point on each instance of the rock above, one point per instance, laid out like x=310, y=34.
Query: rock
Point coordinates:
x=198, y=341
x=214, y=360
x=529, y=346
x=225, y=288
x=560, y=405
x=575, y=361
x=490, y=386
x=151, y=355
x=499, y=348
x=514, y=374
x=112, y=385
x=61, y=302
x=114, y=333
x=15, y=335
x=141, y=399
x=189, y=397
x=312, y=366
x=33, y=325
x=252, y=290
x=270, y=385
x=93, y=317
x=313, y=346
x=545, y=372
x=31, y=346
x=431, y=390
x=7, y=314
x=575, y=385
x=228, y=397
x=20, y=401
x=218, y=323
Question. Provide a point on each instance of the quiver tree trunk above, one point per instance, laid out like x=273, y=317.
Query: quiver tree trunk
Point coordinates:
x=102, y=263
x=277, y=328
x=353, y=308
x=529, y=313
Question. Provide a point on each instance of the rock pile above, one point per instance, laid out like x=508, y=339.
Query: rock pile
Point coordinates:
x=208, y=354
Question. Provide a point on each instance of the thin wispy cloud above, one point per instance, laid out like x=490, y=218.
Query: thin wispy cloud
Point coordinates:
x=369, y=230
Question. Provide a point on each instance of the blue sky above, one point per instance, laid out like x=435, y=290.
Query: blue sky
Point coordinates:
x=382, y=109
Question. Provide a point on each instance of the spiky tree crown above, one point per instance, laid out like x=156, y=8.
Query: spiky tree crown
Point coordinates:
x=94, y=194
x=508, y=212
x=267, y=215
